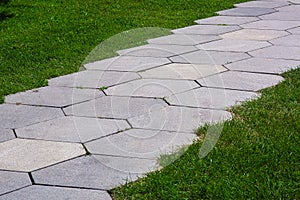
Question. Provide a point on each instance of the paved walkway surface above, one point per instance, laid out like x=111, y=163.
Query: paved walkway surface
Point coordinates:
x=74, y=140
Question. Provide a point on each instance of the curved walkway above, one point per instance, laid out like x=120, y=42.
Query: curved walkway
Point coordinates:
x=91, y=131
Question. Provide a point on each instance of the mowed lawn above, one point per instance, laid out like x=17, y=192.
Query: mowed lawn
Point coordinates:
x=257, y=155
x=40, y=39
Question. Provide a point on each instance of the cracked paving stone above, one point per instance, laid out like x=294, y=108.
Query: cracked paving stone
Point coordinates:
x=290, y=40
x=206, y=29
x=95, y=172
x=115, y=107
x=180, y=119
x=262, y=4
x=141, y=143
x=283, y=16
x=151, y=88
x=283, y=52
x=241, y=81
x=53, y=96
x=272, y=25
x=17, y=116
x=127, y=63
x=93, y=79
x=10, y=181
x=234, y=45
x=157, y=50
x=57, y=193
x=226, y=20
x=254, y=34
x=246, y=12
x=181, y=39
x=210, y=57
x=264, y=65
x=6, y=134
x=182, y=71
x=28, y=155
x=72, y=129
x=210, y=98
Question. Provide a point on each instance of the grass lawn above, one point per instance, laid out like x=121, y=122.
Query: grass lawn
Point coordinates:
x=41, y=39
x=256, y=157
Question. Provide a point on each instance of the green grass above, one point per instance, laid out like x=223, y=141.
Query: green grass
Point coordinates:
x=256, y=157
x=41, y=39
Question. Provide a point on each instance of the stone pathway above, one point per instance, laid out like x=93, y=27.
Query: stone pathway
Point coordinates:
x=74, y=140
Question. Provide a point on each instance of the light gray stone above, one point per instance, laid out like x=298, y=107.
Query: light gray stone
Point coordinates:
x=127, y=63
x=53, y=96
x=241, y=81
x=140, y=143
x=157, y=50
x=16, y=116
x=210, y=98
x=28, y=155
x=262, y=4
x=182, y=71
x=264, y=65
x=210, y=57
x=57, y=193
x=272, y=25
x=206, y=29
x=234, y=45
x=115, y=107
x=93, y=172
x=290, y=40
x=295, y=1
x=254, y=34
x=227, y=20
x=283, y=16
x=6, y=134
x=181, y=39
x=295, y=30
x=283, y=52
x=93, y=79
x=73, y=129
x=10, y=181
x=180, y=119
x=246, y=12
x=151, y=88
x=291, y=8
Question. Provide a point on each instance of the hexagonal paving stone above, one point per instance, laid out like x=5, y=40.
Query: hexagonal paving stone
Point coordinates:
x=72, y=129
x=272, y=25
x=16, y=116
x=241, y=81
x=140, y=143
x=96, y=172
x=291, y=8
x=151, y=88
x=115, y=107
x=180, y=119
x=47, y=192
x=127, y=63
x=6, y=134
x=227, y=20
x=283, y=52
x=234, y=45
x=294, y=30
x=262, y=4
x=10, y=181
x=246, y=12
x=93, y=79
x=210, y=57
x=283, y=16
x=206, y=29
x=181, y=39
x=264, y=65
x=210, y=98
x=157, y=50
x=254, y=34
x=290, y=40
x=182, y=71
x=53, y=96
x=28, y=155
